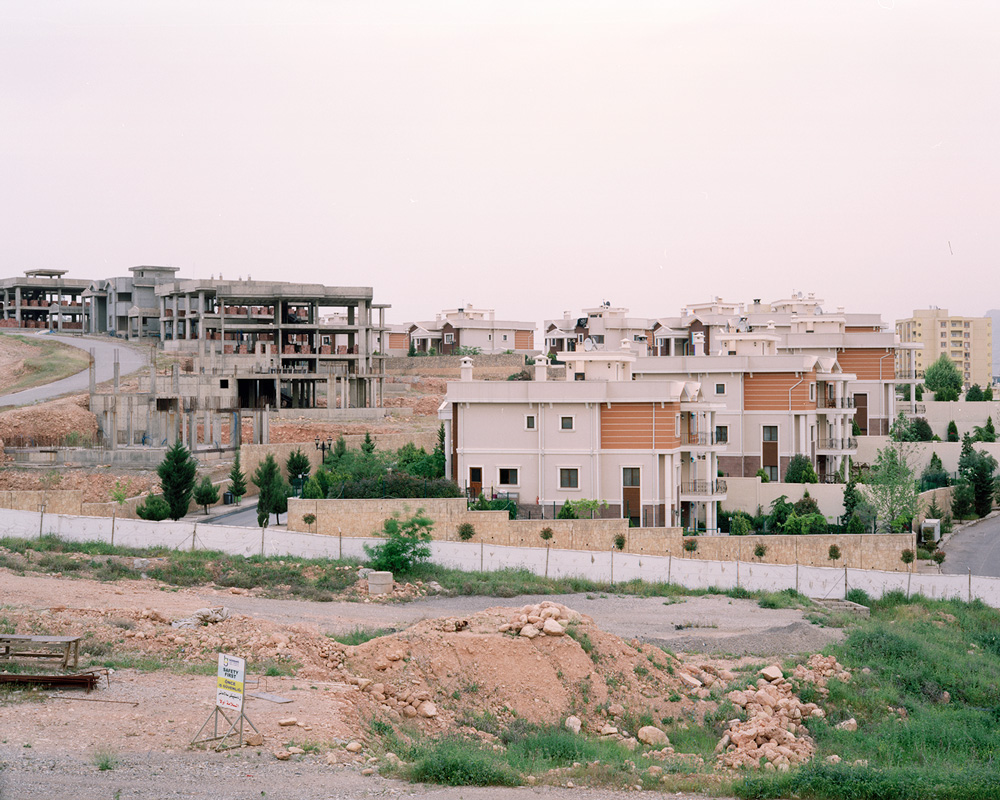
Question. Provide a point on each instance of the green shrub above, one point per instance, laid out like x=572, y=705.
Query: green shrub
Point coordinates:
x=461, y=762
x=154, y=508
x=407, y=544
x=466, y=531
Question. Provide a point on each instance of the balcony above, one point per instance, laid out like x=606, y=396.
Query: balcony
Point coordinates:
x=837, y=445
x=702, y=439
x=703, y=489
x=834, y=402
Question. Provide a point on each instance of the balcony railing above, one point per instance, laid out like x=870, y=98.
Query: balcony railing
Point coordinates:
x=834, y=402
x=849, y=443
x=703, y=439
x=703, y=487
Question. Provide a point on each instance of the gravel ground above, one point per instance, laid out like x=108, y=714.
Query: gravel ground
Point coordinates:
x=241, y=775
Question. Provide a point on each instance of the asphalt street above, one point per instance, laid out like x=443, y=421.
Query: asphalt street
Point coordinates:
x=104, y=348
x=975, y=547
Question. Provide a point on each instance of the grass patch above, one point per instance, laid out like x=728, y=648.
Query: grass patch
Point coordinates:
x=786, y=598
x=105, y=759
x=360, y=635
x=927, y=709
x=46, y=361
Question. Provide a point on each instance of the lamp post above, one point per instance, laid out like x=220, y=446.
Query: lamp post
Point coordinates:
x=324, y=445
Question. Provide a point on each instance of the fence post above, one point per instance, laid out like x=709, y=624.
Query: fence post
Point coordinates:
x=845, y=579
x=194, y=532
x=970, y=584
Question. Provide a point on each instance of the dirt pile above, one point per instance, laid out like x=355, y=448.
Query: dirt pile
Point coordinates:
x=49, y=423
x=96, y=484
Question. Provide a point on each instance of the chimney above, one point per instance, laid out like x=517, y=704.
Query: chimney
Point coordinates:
x=541, y=368
x=466, y=368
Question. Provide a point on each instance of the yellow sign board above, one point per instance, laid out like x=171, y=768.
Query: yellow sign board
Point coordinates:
x=229, y=689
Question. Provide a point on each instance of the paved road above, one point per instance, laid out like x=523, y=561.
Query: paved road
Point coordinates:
x=976, y=547
x=244, y=517
x=131, y=359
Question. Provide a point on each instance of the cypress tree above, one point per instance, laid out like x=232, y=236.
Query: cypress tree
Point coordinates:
x=177, y=477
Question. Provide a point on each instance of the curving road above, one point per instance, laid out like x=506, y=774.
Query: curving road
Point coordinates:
x=130, y=358
x=975, y=547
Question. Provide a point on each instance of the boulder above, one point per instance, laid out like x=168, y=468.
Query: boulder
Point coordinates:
x=288, y=722
x=427, y=709
x=772, y=673
x=552, y=628
x=847, y=725
x=652, y=735
x=573, y=724
x=609, y=730
x=529, y=631
x=296, y=751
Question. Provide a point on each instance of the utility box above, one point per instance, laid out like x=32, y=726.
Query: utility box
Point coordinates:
x=379, y=582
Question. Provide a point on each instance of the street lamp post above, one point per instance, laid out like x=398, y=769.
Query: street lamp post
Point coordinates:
x=323, y=446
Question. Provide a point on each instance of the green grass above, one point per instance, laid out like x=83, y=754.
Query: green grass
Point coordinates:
x=105, y=759
x=46, y=361
x=360, y=635
x=928, y=710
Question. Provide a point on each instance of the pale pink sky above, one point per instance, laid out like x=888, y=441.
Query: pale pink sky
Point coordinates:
x=526, y=156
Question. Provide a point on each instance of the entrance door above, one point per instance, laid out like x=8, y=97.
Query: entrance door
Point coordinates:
x=475, y=481
x=631, y=498
x=861, y=412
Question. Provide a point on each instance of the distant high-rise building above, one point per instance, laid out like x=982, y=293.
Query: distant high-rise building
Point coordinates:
x=967, y=341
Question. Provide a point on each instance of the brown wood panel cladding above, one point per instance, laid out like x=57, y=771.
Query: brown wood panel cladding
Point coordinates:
x=768, y=391
x=524, y=340
x=629, y=426
x=399, y=341
x=865, y=363
x=861, y=329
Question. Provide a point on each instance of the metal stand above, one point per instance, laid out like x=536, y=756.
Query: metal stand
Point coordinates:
x=235, y=725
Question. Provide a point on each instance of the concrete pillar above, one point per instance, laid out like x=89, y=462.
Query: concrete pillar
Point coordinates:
x=17, y=304
x=193, y=430
x=265, y=426
x=93, y=372
x=183, y=426
x=118, y=371
x=174, y=307
x=206, y=433
x=175, y=379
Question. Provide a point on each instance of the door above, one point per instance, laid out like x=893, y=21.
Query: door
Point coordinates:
x=631, y=497
x=769, y=451
x=475, y=481
x=861, y=412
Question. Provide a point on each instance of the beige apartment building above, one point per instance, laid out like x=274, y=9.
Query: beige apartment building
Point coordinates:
x=646, y=448
x=967, y=341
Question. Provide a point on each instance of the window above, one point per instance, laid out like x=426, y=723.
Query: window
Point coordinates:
x=223, y=383
x=505, y=337
x=630, y=476
x=812, y=391
x=508, y=476
x=529, y=422
x=566, y=423
x=721, y=434
x=579, y=376
x=597, y=338
x=579, y=338
x=569, y=479
x=772, y=473
x=449, y=338
x=770, y=433
x=720, y=388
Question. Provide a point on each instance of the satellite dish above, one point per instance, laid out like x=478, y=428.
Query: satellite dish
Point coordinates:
x=588, y=344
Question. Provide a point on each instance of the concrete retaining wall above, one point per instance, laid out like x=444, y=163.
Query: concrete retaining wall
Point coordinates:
x=746, y=494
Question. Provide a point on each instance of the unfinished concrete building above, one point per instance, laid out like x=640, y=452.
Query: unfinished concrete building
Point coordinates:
x=44, y=299
x=127, y=306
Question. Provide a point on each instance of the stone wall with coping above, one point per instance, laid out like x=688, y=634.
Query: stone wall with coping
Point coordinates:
x=363, y=518
x=65, y=501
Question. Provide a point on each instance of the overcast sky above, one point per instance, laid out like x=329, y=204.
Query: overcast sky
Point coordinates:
x=531, y=157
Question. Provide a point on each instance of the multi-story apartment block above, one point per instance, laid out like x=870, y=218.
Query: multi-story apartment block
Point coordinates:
x=967, y=341
x=472, y=327
x=43, y=298
x=647, y=448
x=600, y=328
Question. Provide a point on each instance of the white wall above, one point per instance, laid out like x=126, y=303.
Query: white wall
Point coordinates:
x=826, y=582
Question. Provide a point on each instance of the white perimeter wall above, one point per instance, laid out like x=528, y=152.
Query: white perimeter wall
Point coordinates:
x=823, y=582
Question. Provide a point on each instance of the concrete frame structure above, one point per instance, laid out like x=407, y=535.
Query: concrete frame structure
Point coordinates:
x=472, y=327
x=967, y=341
x=127, y=306
x=307, y=336
x=644, y=447
x=604, y=326
x=44, y=299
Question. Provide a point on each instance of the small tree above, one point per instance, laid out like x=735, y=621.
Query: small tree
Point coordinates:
x=907, y=556
x=764, y=477
x=298, y=465
x=691, y=545
x=891, y=486
x=309, y=519
x=974, y=394
x=466, y=531
x=368, y=445
x=406, y=546
x=851, y=498
x=153, y=508
x=206, y=493
x=177, y=474
x=962, y=500
x=760, y=550
x=237, y=480
x=943, y=376
x=834, y=553
x=856, y=525
x=807, y=505
x=800, y=470
x=740, y=524
x=781, y=510
x=985, y=433
x=952, y=435
x=412, y=350
x=546, y=535
x=267, y=478
x=119, y=494
x=566, y=512
x=938, y=556
x=620, y=541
